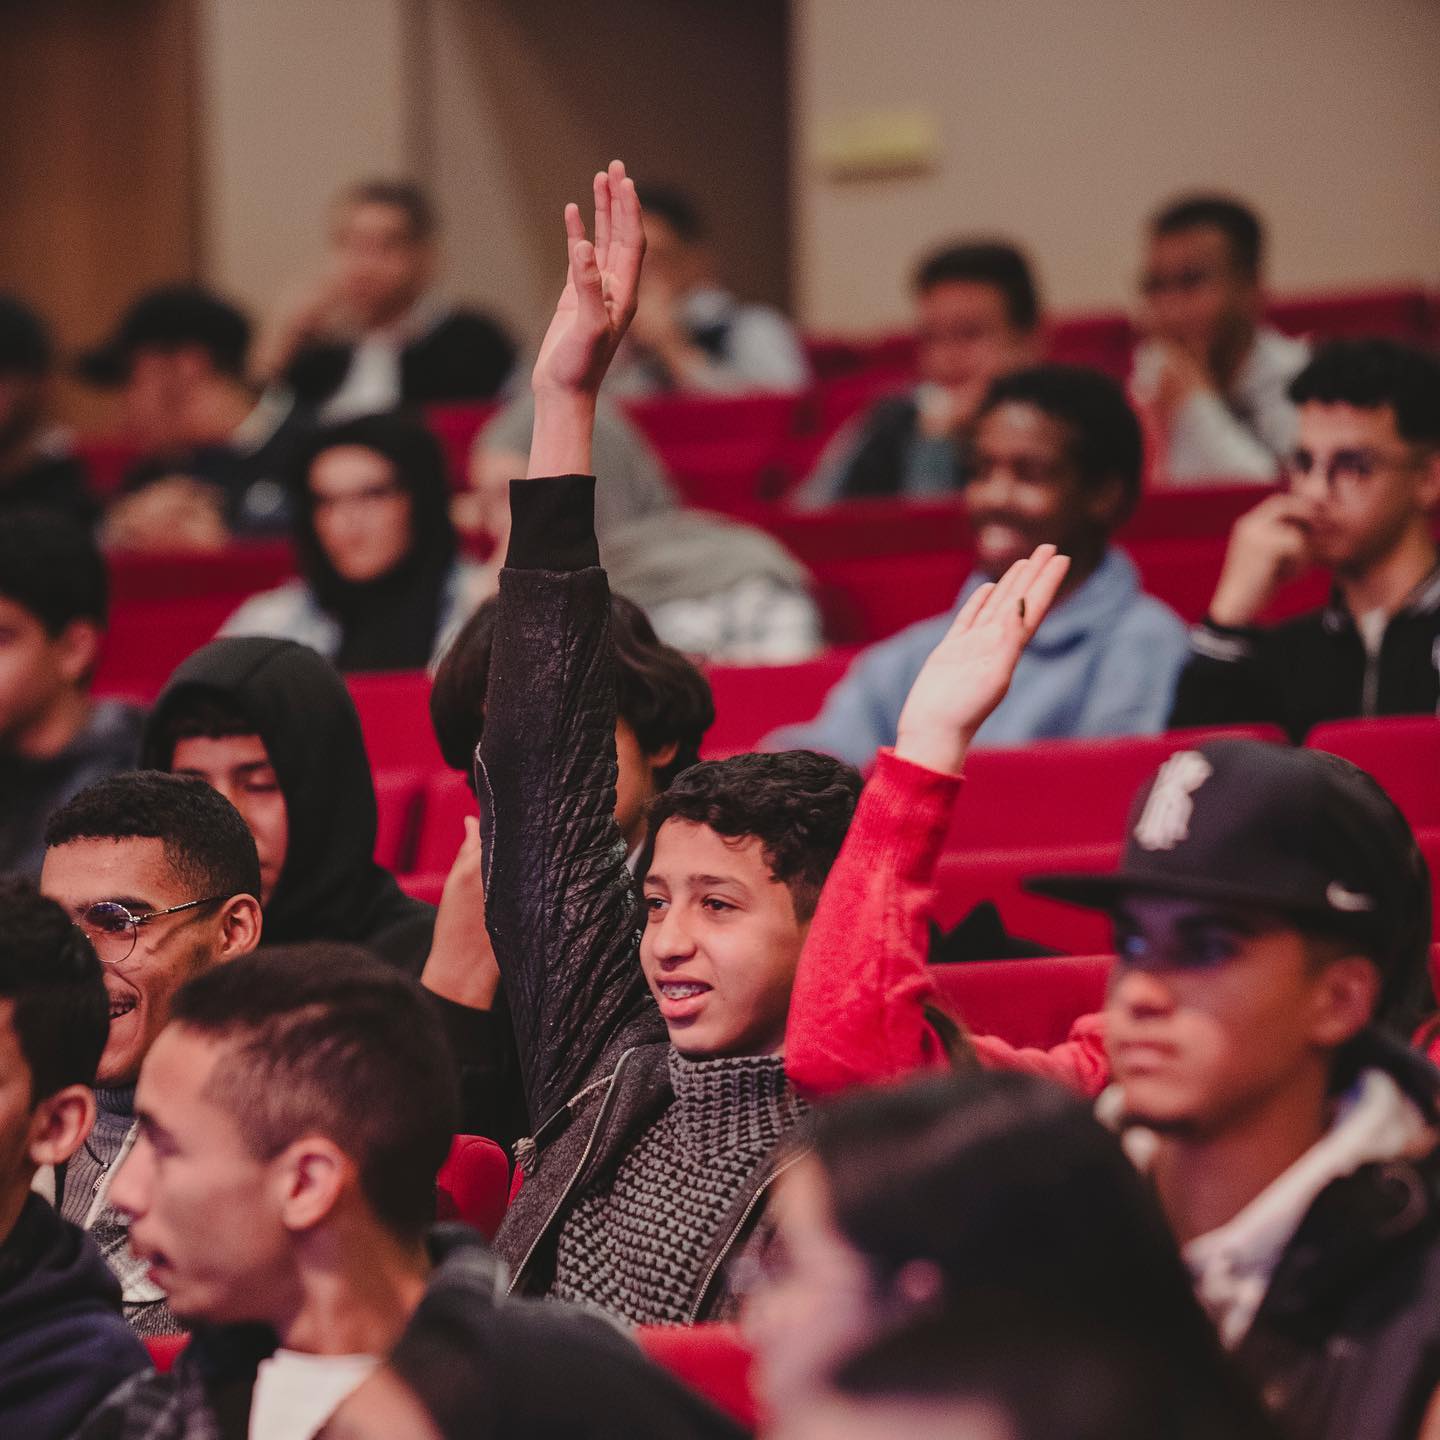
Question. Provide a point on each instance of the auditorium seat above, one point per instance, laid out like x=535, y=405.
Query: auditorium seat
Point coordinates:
x=1025, y=1002
x=750, y=701
x=1398, y=312
x=106, y=459
x=1102, y=340
x=394, y=713
x=965, y=879
x=447, y=800
x=164, y=1350
x=711, y=1359
x=1402, y=752
x=1064, y=792
x=474, y=1184
x=398, y=798
x=238, y=570
x=147, y=640
x=455, y=427
x=427, y=886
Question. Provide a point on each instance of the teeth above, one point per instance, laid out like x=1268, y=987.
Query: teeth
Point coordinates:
x=682, y=991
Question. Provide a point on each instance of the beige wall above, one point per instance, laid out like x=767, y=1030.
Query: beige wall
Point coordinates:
x=1063, y=122
x=297, y=97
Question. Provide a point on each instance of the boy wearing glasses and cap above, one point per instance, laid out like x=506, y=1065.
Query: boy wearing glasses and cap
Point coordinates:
x=1364, y=480
x=161, y=873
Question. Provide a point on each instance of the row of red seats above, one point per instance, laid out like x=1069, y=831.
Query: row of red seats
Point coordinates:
x=878, y=566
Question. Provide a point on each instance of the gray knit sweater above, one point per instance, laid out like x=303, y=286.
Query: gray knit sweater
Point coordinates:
x=634, y=1246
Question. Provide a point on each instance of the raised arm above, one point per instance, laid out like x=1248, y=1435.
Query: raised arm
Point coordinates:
x=560, y=907
x=857, y=1013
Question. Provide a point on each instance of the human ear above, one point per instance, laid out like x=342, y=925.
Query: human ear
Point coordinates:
x=1428, y=488
x=60, y=1124
x=1105, y=502
x=313, y=1173
x=659, y=759
x=240, y=923
x=79, y=648
x=1346, y=995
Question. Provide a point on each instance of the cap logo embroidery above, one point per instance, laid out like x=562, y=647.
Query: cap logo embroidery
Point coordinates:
x=1352, y=901
x=1165, y=820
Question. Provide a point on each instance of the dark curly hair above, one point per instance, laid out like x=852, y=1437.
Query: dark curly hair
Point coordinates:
x=659, y=694
x=796, y=803
x=207, y=843
x=1371, y=373
x=48, y=971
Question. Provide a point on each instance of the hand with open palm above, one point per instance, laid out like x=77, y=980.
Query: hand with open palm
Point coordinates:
x=602, y=284
x=969, y=671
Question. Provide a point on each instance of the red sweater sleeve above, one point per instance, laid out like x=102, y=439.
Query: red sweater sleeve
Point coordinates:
x=857, y=1009
x=1080, y=1062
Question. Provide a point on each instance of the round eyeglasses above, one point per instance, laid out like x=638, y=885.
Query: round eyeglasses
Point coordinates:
x=113, y=929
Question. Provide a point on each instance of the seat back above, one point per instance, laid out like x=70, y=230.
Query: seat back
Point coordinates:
x=447, y=800
x=394, y=712
x=1025, y=1002
x=474, y=1183
x=1402, y=752
x=712, y=1360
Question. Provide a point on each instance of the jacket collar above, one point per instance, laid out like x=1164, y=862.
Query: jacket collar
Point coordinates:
x=1424, y=599
x=1109, y=589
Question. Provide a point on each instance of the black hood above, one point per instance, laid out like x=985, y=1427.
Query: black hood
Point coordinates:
x=330, y=887
x=49, y=1267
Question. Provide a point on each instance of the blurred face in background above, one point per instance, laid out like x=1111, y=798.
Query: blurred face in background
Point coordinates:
x=158, y=396
x=38, y=671
x=22, y=405
x=382, y=268
x=362, y=512
x=967, y=340
x=1194, y=295
x=672, y=263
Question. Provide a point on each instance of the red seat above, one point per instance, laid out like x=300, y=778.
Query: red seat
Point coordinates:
x=474, y=1183
x=398, y=797
x=447, y=801
x=164, y=1350
x=966, y=878
x=147, y=640
x=237, y=571
x=750, y=701
x=712, y=1360
x=395, y=716
x=1064, y=792
x=106, y=459
x=1402, y=752
x=1102, y=340
x=1399, y=312
x=1025, y=1002
x=455, y=427
x=428, y=886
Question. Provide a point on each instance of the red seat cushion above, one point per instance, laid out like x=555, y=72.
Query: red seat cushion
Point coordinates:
x=447, y=801
x=474, y=1183
x=711, y=1359
x=1402, y=752
x=750, y=701
x=398, y=796
x=394, y=713
x=164, y=1350
x=1025, y=1002
x=455, y=427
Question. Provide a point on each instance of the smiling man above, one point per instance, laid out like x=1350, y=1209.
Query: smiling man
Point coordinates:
x=160, y=872
x=1057, y=461
x=1272, y=924
x=1364, y=483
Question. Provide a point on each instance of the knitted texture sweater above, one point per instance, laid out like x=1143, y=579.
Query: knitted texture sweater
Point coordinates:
x=635, y=1242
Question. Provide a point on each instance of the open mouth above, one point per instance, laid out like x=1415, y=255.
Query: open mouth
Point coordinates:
x=681, y=999
x=122, y=1005
x=681, y=989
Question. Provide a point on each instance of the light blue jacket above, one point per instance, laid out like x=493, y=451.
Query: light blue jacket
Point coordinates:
x=1104, y=662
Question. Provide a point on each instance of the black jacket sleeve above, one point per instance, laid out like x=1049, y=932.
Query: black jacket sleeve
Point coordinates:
x=1225, y=680
x=560, y=903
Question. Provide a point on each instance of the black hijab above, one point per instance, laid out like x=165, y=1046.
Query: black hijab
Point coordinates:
x=330, y=887
x=391, y=622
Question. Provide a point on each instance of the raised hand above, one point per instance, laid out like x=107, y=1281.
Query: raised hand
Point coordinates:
x=601, y=287
x=1269, y=546
x=969, y=671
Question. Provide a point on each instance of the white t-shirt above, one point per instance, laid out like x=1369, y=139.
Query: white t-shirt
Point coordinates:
x=296, y=1394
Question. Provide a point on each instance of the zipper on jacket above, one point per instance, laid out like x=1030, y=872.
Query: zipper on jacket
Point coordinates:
x=740, y=1224
x=540, y=1234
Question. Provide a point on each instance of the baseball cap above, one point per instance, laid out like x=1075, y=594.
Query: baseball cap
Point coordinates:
x=24, y=342
x=166, y=319
x=1299, y=831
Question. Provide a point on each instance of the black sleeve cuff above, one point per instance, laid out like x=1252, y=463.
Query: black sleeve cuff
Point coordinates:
x=552, y=524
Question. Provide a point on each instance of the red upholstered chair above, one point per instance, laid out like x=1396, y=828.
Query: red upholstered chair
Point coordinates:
x=711, y=1359
x=1026, y=1002
x=1402, y=752
x=447, y=800
x=146, y=640
x=395, y=716
x=106, y=458
x=398, y=796
x=1102, y=340
x=965, y=878
x=164, y=1350
x=1064, y=792
x=455, y=427
x=1401, y=313
x=428, y=886
x=474, y=1184
x=750, y=701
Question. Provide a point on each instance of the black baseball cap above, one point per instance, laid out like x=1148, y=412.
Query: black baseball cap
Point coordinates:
x=166, y=319
x=24, y=342
x=1293, y=830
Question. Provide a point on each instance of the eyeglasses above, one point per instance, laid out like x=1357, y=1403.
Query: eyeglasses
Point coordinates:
x=1180, y=282
x=113, y=929
x=370, y=498
x=1347, y=469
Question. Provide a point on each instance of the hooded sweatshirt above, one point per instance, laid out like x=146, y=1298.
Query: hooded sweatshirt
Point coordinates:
x=63, y=1344
x=330, y=887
